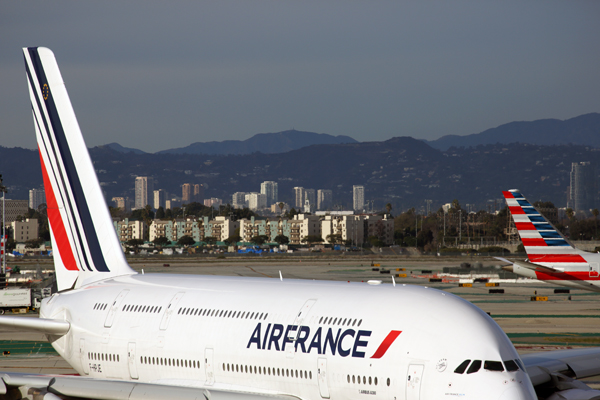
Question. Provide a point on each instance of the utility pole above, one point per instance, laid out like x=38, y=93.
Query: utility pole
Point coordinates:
x=3, y=239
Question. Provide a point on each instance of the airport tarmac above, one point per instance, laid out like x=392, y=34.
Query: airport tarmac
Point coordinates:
x=563, y=321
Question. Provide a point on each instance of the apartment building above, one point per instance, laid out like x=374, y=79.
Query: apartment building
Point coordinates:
x=127, y=230
x=25, y=230
x=36, y=197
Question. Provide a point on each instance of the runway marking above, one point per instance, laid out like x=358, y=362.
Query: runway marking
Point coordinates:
x=253, y=270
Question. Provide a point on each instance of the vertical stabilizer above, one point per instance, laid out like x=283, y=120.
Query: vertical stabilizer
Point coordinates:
x=544, y=244
x=84, y=241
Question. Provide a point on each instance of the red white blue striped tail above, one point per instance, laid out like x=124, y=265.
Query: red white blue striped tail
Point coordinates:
x=544, y=244
x=84, y=241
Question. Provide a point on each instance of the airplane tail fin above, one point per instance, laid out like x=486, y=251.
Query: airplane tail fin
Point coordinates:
x=544, y=244
x=84, y=241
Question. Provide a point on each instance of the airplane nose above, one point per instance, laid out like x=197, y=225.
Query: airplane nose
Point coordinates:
x=515, y=393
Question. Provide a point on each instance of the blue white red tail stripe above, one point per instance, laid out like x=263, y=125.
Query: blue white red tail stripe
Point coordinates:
x=543, y=243
x=82, y=232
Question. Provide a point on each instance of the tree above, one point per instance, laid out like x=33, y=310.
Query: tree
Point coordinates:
x=210, y=239
x=281, y=207
x=259, y=239
x=282, y=239
x=168, y=213
x=388, y=208
x=186, y=240
x=310, y=239
x=161, y=241
x=33, y=243
x=334, y=238
x=233, y=239
x=134, y=242
x=292, y=212
x=160, y=213
x=570, y=212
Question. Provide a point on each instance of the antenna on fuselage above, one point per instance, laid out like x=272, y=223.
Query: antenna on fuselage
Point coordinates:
x=280, y=277
x=393, y=281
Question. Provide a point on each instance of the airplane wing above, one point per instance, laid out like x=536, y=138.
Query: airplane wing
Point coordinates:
x=51, y=387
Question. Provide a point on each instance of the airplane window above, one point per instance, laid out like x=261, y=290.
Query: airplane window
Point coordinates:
x=255, y=370
x=369, y=380
x=493, y=366
x=296, y=373
x=141, y=360
x=247, y=315
x=388, y=381
x=287, y=372
x=277, y=371
x=189, y=310
x=359, y=322
x=310, y=374
x=246, y=369
x=364, y=380
x=353, y=322
x=375, y=381
x=321, y=320
x=345, y=319
x=475, y=366
x=334, y=321
x=160, y=308
x=511, y=366
x=213, y=313
x=348, y=378
x=462, y=367
x=123, y=309
x=237, y=368
x=261, y=316
x=269, y=371
x=266, y=315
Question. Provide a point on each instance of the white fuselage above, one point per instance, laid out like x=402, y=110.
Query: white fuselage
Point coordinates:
x=355, y=341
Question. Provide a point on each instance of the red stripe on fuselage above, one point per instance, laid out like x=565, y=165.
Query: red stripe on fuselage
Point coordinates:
x=567, y=276
x=556, y=258
x=56, y=223
x=385, y=345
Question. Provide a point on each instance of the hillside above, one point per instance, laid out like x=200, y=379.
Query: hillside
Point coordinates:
x=582, y=130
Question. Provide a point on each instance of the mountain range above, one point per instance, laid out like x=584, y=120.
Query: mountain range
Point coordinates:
x=582, y=130
x=402, y=171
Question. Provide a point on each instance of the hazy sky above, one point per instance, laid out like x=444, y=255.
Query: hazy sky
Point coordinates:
x=157, y=75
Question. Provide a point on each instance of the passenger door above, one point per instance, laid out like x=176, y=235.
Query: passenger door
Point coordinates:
x=133, y=374
x=322, y=377
x=594, y=270
x=208, y=366
x=413, y=381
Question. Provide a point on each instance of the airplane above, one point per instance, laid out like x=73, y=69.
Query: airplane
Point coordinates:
x=551, y=258
x=162, y=336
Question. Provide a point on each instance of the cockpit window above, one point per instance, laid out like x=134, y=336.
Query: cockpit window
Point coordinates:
x=520, y=364
x=461, y=368
x=511, y=365
x=475, y=366
x=493, y=366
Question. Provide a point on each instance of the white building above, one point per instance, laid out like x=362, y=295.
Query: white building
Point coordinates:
x=304, y=225
x=346, y=227
x=25, y=230
x=160, y=199
x=213, y=202
x=36, y=197
x=358, y=197
x=256, y=201
x=324, y=199
x=144, y=188
x=238, y=200
x=127, y=229
x=270, y=190
x=298, y=197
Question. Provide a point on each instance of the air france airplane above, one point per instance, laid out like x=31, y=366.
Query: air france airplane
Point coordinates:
x=144, y=336
x=550, y=256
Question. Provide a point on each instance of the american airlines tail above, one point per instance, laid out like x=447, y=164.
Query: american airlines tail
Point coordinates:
x=84, y=241
x=550, y=256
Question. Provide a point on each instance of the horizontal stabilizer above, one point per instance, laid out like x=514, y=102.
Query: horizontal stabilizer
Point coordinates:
x=41, y=325
x=528, y=265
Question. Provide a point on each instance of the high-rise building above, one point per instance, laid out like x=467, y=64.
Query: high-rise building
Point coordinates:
x=584, y=187
x=186, y=193
x=309, y=195
x=238, y=200
x=256, y=201
x=160, y=197
x=269, y=189
x=298, y=197
x=198, y=193
x=324, y=199
x=358, y=197
x=144, y=188
x=36, y=197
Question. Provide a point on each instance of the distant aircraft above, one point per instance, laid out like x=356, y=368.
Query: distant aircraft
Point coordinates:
x=550, y=256
x=161, y=336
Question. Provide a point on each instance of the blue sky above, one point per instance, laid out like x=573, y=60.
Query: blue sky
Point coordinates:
x=157, y=75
